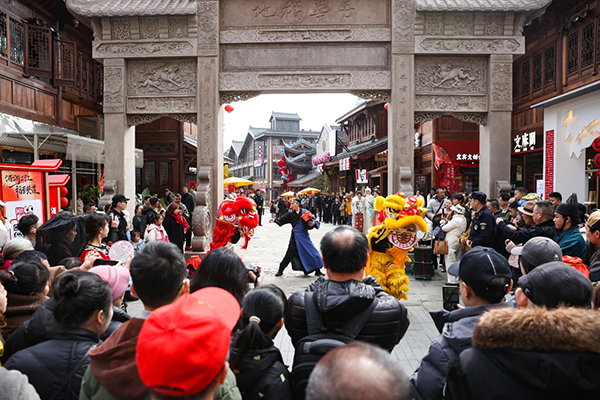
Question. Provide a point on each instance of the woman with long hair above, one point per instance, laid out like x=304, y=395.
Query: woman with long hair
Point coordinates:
x=176, y=225
x=83, y=310
x=96, y=227
x=256, y=362
x=27, y=284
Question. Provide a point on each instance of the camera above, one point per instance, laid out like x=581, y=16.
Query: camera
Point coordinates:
x=253, y=269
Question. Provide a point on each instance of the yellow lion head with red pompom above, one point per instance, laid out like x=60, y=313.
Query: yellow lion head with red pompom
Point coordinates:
x=403, y=216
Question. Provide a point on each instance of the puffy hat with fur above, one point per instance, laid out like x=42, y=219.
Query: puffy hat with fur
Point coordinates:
x=116, y=277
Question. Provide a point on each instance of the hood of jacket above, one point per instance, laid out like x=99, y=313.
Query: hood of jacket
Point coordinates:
x=252, y=365
x=543, y=350
x=344, y=299
x=19, y=304
x=113, y=363
x=457, y=326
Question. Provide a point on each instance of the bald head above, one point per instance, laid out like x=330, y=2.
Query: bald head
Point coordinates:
x=345, y=250
x=358, y=371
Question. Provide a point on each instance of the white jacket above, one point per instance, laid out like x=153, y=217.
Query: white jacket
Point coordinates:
x=454, y=229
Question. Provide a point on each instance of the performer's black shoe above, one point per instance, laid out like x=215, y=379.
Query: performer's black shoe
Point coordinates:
x=279, y=273
x=319, y=273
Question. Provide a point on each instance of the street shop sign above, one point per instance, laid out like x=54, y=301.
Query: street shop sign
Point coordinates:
x=361, y=176
x=345, y=164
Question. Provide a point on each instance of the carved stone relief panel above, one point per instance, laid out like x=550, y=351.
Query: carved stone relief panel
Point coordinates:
x=206, y=112
x=512, y=45
x=153, y=105
x=277, y=13
x=208, y=27
x=305, y=35
x=298, y=57
x=424, y=117
x=371, y=95
x=191, y=118
x=149, y=28
x=433, y=24
x=178, y=27
x=120, y=28
x=114, y=86
x=176, y=77
x=447, y=75
x=453, y=103
x=476, y=118
x=493, y=25
x=144, y=49
x=501, y=88
x=230, y=97
x=463, y=24
x=135, y=120
x=403, y=33
x=269, y=81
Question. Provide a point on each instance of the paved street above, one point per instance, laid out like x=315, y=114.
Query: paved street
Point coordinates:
x=268, y=247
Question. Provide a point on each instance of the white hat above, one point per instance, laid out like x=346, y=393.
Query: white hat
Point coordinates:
x=458, y=209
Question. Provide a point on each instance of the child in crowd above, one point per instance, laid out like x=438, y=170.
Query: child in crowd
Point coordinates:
x=155, y=231
x=136, y=240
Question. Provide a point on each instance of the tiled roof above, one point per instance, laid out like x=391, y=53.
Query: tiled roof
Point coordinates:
x=287, y=116
x=122, y=8
x=360, y=148
x=306, y=179
x=481, y=5
x=237, y=146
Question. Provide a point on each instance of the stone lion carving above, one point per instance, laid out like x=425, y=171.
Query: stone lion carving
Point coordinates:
x=456, y=74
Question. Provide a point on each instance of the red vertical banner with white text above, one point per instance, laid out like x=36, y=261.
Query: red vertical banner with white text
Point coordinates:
x=549, y=162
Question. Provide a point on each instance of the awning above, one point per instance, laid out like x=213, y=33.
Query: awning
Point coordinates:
x=20, y=132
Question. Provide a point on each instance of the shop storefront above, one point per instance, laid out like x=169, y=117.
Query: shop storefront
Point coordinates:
x=571, y=123
x=527, y=158
x=462, y=175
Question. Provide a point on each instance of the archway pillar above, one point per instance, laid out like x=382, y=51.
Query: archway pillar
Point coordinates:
x=119, y=137
x=494, y=136
x=401, y=110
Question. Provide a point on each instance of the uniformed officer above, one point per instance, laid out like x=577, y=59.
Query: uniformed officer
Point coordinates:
x=482, y=231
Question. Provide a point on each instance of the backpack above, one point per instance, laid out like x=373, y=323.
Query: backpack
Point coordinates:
x=320, y=341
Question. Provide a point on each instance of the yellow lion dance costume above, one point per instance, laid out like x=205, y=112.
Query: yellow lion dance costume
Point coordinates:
x=390, y=242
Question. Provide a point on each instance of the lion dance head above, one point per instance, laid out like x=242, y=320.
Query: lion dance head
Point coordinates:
x=401, y=217
x=236, y=218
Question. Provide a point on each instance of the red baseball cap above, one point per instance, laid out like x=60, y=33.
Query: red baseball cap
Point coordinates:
x=183, y=346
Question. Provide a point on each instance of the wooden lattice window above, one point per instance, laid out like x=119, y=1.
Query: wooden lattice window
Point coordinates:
x=17, y=42
x=587, y=45
x=99, y=82
x=573, y=53
x=64, y=71
x=3, y=35
x=549, y=65
x=39, y=51
x=84, y=75
x=516, y=82
x=92, y=80
x=537, y=72
x=526, y=75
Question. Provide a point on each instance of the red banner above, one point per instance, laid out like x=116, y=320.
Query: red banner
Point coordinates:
x=549, y=162
x=441, y=157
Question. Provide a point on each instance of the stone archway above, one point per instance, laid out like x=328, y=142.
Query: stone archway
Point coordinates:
x=185, y=58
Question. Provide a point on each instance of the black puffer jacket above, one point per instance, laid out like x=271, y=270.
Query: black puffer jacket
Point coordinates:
x=261, y=374
x=42, y=327
x=340, y=301
x=48, y=364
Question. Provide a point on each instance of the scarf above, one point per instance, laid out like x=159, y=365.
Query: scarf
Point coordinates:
x=181, y=221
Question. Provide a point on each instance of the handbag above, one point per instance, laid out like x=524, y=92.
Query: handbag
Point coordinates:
x=440, y=247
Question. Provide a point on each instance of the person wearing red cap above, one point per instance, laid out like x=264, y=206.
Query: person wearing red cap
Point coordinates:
x=183, y=347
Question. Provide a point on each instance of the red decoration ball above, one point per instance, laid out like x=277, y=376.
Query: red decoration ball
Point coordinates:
x=228, y=108
x=596, y=144
x=386, y=106
x=64, y=191
x=597, y=160
x=64, y=202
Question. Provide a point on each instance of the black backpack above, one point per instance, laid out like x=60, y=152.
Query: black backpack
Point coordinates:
x=320, y=341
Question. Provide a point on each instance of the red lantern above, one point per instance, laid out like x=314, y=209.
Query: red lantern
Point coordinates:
x=596, y=144
x=386, y=106
x=597, y=160
x=64, y=202
x=228, y=108
x=64, y=191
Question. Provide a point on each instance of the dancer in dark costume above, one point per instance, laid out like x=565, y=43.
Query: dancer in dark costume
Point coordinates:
x=301, y=251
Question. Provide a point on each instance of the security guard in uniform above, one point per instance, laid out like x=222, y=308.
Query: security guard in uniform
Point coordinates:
x=484, y=225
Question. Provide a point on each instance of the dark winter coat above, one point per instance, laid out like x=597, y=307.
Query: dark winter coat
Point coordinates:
x=137, y=222
x=456, y=328
x=521, y=236
x=175, y=231
x=261, y=374
x=335, y=209
x=340, y=301
x=530, y=354
x=189, y=201
x=43, y=326
x=122, y=228
x=49, y=363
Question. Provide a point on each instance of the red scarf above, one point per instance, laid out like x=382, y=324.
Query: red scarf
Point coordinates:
x=181, y=221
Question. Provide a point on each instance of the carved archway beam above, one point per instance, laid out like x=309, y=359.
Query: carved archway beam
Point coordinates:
x=372, y=95
x=230, y=97
x=476, y=118
x=139, y=119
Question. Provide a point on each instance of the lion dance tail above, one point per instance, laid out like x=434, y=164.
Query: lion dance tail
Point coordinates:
x=388, y=269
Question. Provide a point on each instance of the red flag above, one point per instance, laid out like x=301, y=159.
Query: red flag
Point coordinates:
x=441, y=157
